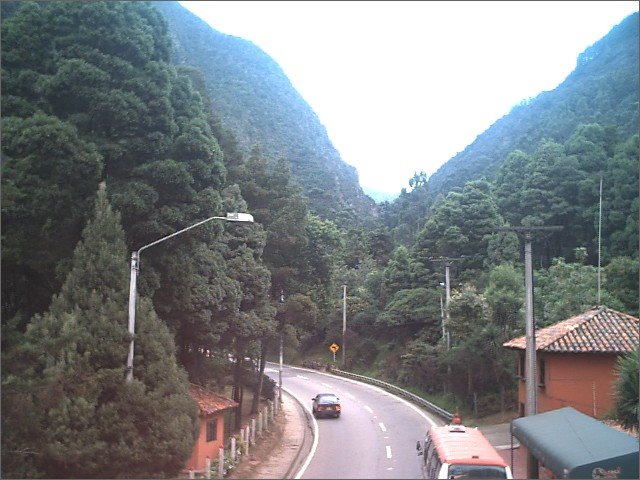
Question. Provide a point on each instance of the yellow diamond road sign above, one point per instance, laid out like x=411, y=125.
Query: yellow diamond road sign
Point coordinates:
x=334, y=347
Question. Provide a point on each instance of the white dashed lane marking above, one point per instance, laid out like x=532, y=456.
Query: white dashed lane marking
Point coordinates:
x=368, y=409
x=388, y=451
x=382, y=427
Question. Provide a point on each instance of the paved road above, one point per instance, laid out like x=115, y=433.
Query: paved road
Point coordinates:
x=375, y=436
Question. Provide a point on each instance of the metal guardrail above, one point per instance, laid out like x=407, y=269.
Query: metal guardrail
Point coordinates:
x=404, y=393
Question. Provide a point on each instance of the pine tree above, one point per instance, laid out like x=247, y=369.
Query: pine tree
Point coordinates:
x=93, y=423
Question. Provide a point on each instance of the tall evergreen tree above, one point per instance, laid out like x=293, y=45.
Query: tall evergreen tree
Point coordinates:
x=49, y=175
x=91, y=423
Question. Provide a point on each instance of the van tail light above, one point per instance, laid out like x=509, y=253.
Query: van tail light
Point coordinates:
x=337, y=408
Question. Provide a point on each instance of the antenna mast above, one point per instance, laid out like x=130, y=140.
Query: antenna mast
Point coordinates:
x=599, y=240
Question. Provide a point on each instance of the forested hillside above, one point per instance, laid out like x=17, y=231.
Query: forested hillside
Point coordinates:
x=112, y=141
x=256, y=101
x=602, y=89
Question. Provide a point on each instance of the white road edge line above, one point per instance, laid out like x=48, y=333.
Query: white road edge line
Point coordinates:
x=388, y=451
x=316, y=434
x=315, y=423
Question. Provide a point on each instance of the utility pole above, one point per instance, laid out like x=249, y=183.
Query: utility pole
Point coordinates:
x=281, y=301
x=530, y=331
x=446, y=334
x=344, y=325
x=447, y=279
x=447, y=283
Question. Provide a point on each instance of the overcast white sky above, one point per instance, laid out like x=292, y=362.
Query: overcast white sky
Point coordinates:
x=402, y=86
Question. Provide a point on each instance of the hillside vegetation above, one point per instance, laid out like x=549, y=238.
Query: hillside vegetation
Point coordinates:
x=113, y=140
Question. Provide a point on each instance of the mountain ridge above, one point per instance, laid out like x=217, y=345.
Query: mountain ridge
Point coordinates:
x=526, y=123
x=256, y=101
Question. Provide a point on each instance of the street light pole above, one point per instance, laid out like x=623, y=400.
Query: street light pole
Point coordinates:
x=135, y=266
x=281, y=353
x=447, y=264
x=132, y=311
x=344, y=324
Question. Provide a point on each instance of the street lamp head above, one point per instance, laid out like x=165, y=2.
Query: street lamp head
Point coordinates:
x=239, y=217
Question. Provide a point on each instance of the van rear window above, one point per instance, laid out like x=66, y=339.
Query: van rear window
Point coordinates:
x=476, y=471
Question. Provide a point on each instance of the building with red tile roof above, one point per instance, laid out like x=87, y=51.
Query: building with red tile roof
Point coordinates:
x=576, y=360
x=213, y=408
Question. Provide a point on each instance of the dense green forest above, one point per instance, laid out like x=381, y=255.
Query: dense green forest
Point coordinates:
x=113, y=137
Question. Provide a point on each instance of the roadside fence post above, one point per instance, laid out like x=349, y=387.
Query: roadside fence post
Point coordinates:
x=265, y=419
x=253, y=431
x=207, y=467
x=221, y=463
x=260, y=424
x=233, y=448
x=245, y=437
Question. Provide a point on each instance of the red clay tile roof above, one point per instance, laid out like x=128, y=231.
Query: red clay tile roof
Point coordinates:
x=208, y=401
x=600, y=330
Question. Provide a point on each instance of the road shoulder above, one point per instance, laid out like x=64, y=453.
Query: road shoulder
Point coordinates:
x=282, y=450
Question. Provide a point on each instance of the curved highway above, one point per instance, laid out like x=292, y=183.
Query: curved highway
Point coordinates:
x=375, y=436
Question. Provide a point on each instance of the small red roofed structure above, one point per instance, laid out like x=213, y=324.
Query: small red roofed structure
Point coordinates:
x=211, y=437
x=576, y=360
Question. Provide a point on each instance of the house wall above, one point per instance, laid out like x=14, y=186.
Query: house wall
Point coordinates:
x=582, y=381
x=203, y=449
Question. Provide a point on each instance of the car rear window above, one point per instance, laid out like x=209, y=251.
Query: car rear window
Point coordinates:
x=328, y=399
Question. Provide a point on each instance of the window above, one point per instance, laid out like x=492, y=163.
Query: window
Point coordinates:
x=476, y=471
x=521, y=372
x=541, y=369
x=212, y=430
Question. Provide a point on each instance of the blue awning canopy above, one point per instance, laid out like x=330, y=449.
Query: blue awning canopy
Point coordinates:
x=574, y=445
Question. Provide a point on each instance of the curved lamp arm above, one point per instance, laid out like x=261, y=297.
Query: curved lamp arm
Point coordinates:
x=135, y=260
